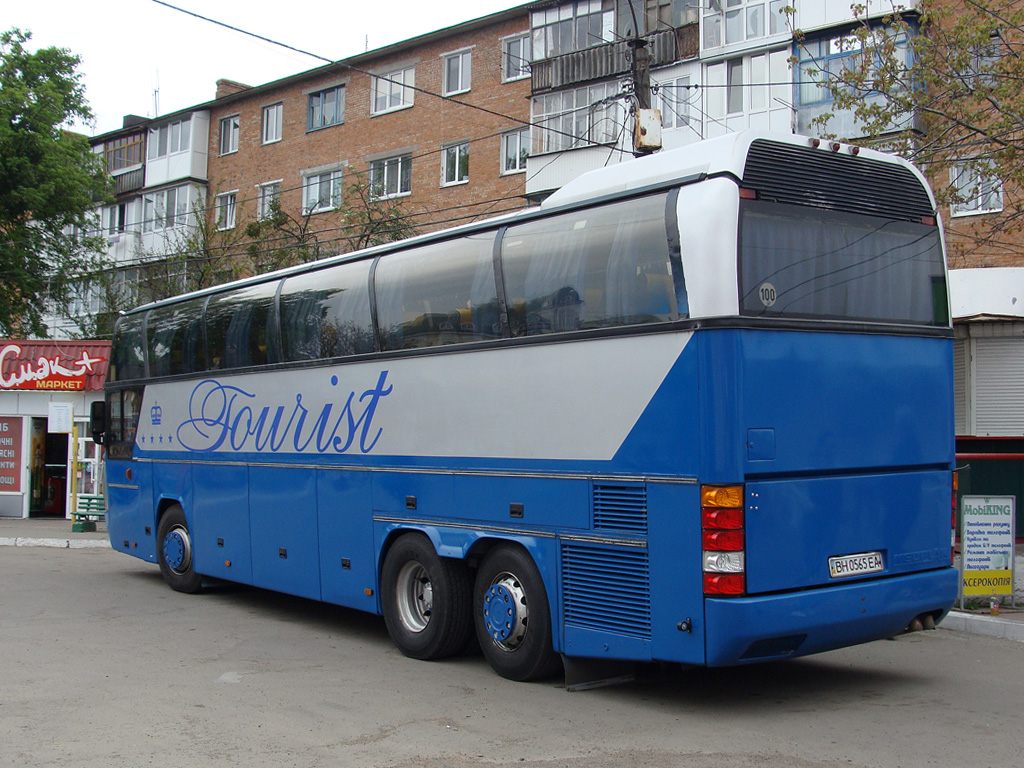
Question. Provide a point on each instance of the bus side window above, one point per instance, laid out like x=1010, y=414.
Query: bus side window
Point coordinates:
x=175, y=337
x=594, y=268
x=438, y=294
x=327, y=313
x=128, y=350
x=238, y=327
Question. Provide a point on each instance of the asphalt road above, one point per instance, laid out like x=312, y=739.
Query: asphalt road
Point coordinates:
x=102, y=665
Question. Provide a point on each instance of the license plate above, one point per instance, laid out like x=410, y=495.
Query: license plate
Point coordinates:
x=855, y=565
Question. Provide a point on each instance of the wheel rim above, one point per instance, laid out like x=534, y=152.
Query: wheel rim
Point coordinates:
x=178, y=549
x=415, y=597
x=506, y=614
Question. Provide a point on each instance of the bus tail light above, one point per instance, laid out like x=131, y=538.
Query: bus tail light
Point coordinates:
x=723, y=539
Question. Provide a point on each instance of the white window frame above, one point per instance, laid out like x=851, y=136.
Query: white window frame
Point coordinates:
x=674, y=97
x=567, y=119
x=519, y=141
x=226, y=207
x=515, y=64
x=462, y=61
x=266, y=193
x=230, y=127
x=273, y=123
x=548, y=24
x=980, y=195
x=176, y=137
x=155, y=216
x=735, y=22
x=390, y=166
x=396, y=88
x=311, y=181
x=455, y=164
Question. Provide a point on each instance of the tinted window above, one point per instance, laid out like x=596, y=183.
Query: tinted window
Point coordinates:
x=595, y=268
x=239, y=326
x=438, y=294
x=128, y=351
x=175, y=337
x=808, y=262
x=327, y=313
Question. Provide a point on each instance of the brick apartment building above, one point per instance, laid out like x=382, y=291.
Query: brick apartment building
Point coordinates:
x=438, y=124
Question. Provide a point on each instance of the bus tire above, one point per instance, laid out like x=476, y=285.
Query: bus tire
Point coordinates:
x=174, y=551
x=513, y=619
x=425, y=599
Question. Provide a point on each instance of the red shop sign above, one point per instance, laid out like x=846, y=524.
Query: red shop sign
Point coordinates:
x=53, y=366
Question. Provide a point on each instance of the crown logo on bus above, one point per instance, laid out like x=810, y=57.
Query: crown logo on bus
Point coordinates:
x=155, y=415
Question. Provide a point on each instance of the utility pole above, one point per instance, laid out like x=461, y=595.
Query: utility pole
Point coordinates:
x=647, y=125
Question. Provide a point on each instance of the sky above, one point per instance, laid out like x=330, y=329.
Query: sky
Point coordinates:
x=143, y=58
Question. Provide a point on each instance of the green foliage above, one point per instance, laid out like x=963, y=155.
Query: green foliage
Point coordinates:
x=943, y=89
x=49, y=181
x=280, y=240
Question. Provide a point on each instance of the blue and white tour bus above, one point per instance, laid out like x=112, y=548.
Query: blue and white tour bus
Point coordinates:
x=694, y=408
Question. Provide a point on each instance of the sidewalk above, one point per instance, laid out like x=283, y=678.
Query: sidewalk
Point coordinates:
x=57, y=533
x=49, y=532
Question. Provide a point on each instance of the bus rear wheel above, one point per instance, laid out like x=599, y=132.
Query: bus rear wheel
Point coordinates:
x=513, y=619
x=174, y=551
x=426, y=599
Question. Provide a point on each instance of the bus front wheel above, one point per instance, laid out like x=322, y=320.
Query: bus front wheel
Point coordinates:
x=513, y=620
x=426, y=599
x=174, y=551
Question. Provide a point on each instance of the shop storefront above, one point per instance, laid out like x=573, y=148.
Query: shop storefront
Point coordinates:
x=46, y=388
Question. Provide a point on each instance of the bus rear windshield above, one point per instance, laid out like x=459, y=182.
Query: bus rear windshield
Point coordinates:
x=802, y=262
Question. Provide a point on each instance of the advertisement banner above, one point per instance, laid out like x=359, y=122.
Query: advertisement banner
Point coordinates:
x=988, y=544
x=10, y=453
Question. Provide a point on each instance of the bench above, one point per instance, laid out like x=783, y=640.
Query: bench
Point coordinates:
x=89, y=509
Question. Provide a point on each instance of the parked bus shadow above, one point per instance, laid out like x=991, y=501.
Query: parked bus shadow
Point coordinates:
x=791, y=685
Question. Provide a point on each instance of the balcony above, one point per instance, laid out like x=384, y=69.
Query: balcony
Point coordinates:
x=130, y=181
x=611, y=59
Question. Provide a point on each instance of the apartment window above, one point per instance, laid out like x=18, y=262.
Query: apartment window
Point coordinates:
x=978, y=188
x=576, y=118
x=229, y=135
x=326, y=108
x=572, y=26
x=515, y=148
x=734, y=86
x=391, y=177
x=457, y=72
x=116, y=218
x=165, y=209
x=226, y=210
x=322, y=192
x=735, y=21
x=393, y=90
x=675, y=102
x=455, y=164
x=169, y=139
x=273, y=121
x=266, y=195
x=515, y=57
x=126, y=151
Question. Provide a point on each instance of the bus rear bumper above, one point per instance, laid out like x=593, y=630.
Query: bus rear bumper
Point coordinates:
x=752, y=629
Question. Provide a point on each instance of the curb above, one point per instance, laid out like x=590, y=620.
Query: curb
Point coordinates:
x=989, y=626
x=56, y=543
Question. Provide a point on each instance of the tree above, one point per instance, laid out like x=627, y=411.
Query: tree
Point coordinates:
x=373, y=219
x=49, y=181
x=944, y=89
